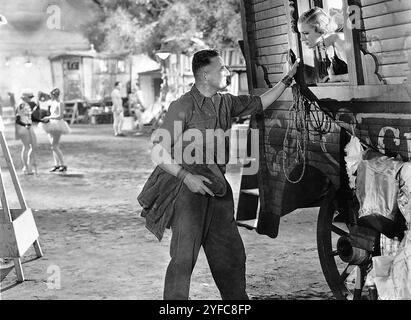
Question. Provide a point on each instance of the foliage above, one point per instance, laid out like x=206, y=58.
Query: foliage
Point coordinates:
x=143, y=26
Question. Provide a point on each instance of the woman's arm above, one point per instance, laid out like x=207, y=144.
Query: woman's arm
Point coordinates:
x=59, y=117
x=337, y=40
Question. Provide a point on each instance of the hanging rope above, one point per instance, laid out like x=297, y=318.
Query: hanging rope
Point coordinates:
x=298, y=120
x=320, y=124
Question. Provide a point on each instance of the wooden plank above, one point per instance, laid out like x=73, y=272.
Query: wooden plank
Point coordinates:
x=270, y=32
x=265, y=51
x=275, y=68
x=332, y=148
x=272, y=42
x=392, y=32
x=272, y=59
x=380, y=9
x=249, y=45
x=375, y=129
x=6, y=215
x=395, y=80
x=277, y=21
x=398, y=120
x=257, y=1
x=356, y=72
x=19, y=270
x=269, y=14
x=365, y=3
x=393, y=70
x=375, y=93
x=12, y=171
x=392, y=19
x=267, y=5
x=37, y=248
x=388, y=45
x=400, y=56
x=8, y=247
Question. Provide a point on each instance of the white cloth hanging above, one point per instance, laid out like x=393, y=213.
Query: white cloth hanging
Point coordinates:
x=353, y=151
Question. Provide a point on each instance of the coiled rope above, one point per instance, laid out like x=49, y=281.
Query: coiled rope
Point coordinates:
x=297, y=119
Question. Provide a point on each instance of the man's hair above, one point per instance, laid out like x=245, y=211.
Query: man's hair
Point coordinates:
x=202, y=58
x=116, y=83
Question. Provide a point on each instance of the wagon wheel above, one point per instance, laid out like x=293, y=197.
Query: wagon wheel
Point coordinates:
x=342, y=278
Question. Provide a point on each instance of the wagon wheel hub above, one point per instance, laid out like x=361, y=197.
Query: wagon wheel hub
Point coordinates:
x=351, y=254
x=346, y=259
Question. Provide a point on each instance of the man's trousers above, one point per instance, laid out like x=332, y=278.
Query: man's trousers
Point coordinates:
x=209, y=222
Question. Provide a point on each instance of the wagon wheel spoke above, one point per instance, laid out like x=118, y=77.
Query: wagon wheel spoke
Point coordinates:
x=334, y=253
x=347, y=271
x=338, y=231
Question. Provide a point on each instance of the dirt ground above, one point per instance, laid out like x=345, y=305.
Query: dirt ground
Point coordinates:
x=95, y=243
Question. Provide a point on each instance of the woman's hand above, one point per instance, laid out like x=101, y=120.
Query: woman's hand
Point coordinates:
x=45, y=119
x=329, y=40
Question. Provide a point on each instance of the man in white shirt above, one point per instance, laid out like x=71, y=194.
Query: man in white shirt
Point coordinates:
x=118, y=112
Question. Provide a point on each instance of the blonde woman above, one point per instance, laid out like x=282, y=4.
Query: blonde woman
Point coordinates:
x=55, y=127
x=318, y=30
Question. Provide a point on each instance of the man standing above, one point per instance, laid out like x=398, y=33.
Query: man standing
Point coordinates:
x=200, y=217
x=118, y=112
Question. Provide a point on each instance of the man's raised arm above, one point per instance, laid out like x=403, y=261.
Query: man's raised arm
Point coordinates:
x=271, y=95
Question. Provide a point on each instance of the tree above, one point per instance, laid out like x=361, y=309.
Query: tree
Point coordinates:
x=142, y=26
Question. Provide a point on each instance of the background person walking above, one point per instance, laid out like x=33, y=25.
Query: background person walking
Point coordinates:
x=118, y=112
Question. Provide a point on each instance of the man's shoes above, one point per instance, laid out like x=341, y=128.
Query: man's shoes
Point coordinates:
x=121, y=134
x=63, y=169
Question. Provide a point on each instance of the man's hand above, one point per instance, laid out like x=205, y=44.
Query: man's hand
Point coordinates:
x=293, y=69
x=196, y=184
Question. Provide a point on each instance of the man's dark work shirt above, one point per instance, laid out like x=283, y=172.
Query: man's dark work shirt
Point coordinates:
x=195, y=111
x=192, y=111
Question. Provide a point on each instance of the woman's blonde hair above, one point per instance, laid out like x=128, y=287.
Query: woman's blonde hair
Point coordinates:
x=318, y=19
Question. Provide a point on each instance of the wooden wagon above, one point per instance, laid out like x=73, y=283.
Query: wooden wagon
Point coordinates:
x=87, y=78
x=302, y=164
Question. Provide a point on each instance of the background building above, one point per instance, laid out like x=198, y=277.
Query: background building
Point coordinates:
x=37, y=30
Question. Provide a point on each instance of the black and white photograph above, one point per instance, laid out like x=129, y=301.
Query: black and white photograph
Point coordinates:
x=225, y=151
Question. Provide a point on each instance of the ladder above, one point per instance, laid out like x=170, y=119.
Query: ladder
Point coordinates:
x=18, y=231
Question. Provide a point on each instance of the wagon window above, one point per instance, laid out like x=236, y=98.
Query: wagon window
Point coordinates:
x=325, y=41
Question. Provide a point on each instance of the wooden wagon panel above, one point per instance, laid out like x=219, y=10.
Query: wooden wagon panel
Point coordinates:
x=379, y=114
x=387, y=36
